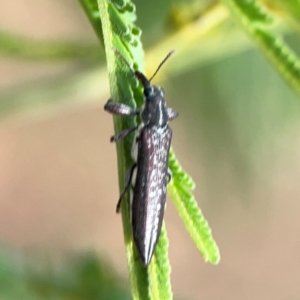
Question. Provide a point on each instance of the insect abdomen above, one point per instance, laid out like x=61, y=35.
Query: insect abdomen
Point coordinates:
x=149, y=194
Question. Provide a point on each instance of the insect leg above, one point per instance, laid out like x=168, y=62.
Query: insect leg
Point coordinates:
x=172, y=114
x=169, y=175
x=117, y=108
x=128, y=178
x=120, y=136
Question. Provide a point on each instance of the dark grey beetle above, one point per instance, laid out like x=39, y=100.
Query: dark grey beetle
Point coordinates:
x=149, y=175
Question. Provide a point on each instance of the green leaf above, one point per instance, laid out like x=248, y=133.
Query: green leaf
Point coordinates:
x=252, y=16
x=160, y=270
x=119, y=32
x=286, y=62
x=254, y=12
x=92, y=11
x=116, y=27
x=180, y=191
x=292, y=7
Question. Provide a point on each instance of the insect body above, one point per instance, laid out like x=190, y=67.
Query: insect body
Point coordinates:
x=149, y=175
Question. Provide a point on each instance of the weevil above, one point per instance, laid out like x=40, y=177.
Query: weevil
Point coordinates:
x=149, y=175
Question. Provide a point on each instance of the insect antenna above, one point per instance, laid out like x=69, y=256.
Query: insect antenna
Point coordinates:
x=124, y=59
x=160, y=65
x=140, y=76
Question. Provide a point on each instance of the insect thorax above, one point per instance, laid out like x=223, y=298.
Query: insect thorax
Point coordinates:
x=154, y=111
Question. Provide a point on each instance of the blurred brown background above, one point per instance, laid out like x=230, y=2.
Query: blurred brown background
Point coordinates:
x=237, y=135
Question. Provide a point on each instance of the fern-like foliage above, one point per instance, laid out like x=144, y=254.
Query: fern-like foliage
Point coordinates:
x=291, y=7
x=160, y=269
x=180, y=190
x=254, y=12
x=117, y=23
x=91, y=9
x=254, y=17
x=119, y=32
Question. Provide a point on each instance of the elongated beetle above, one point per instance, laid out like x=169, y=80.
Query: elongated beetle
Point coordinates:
x=149, y=175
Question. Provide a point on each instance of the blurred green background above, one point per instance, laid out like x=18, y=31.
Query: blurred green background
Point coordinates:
x=237, y=135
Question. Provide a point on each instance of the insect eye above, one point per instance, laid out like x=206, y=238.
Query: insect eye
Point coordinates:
x=147, y=91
